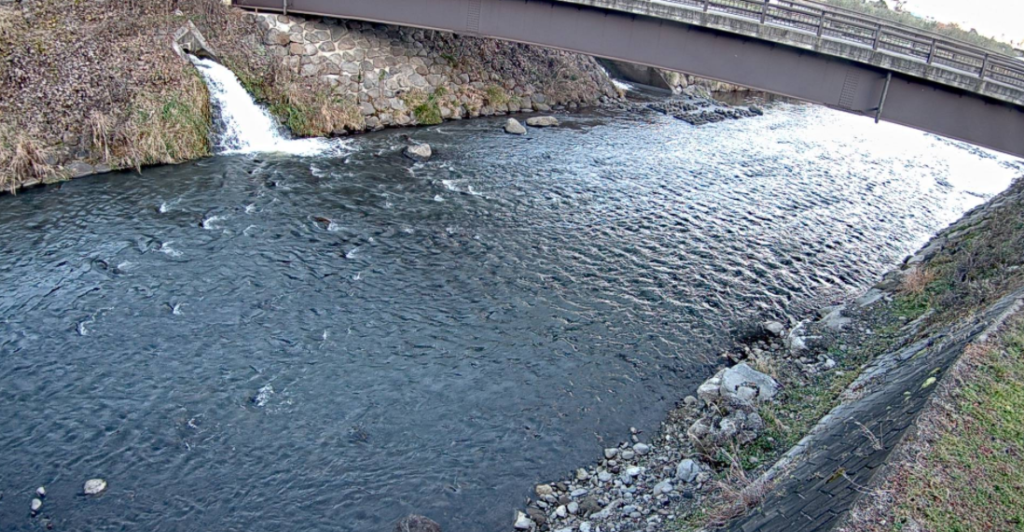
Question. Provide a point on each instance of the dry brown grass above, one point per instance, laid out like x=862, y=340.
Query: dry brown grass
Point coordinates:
x=22, y=161
x=916, y=280
x=105, y=73
x=736, y=495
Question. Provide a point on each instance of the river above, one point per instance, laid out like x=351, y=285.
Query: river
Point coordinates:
x=257, y=342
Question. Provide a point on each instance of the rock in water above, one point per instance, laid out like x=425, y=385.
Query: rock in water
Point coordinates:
x=41, y=492
x=513, y=127
x=641, y=448
x=542, y=121
x=36, y=506
x=417, y=523
x=775, y=328
x=94, y=486
x=419, y=152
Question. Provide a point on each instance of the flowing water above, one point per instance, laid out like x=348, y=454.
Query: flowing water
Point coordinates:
x=266, y=342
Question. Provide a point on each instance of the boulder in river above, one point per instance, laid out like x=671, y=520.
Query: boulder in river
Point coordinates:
x=417, y=523
x=36, y=506
x=419, y=152
x=513, y=127
x=542, y=121
x=94, y=486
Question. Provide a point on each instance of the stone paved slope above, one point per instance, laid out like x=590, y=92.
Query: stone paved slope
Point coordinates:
x=832, y=468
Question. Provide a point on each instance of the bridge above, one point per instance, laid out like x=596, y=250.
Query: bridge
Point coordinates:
x=796, y=48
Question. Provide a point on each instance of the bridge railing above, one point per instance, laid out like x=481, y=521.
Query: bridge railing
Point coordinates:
x=862, y=30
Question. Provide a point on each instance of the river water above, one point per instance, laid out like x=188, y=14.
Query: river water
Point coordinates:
x=327, y=343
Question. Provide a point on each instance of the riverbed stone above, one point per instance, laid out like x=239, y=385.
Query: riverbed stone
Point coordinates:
x=419, y=152
x=775, y=328
x=542, y=121
x=513, y=127
x=747, y=384
x=642, y=449
x=687, y=470
x=417, y=523
x=544, y=490
x=523, y=522
x=35, y=506
x=94, y=486
x=611, y=452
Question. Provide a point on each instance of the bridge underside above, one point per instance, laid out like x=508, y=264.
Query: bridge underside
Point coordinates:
x=801, y=74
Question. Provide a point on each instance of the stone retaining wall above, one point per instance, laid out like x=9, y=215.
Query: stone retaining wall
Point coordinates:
x=403, y=76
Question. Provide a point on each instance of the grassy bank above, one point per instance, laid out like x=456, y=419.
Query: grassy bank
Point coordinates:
x=963, y=470
x=98, y=83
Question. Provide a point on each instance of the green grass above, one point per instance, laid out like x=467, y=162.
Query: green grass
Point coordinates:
x=426, y=109
x=973, y=477
x=496, y=95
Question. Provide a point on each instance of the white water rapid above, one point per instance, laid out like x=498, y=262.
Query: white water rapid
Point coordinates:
x=242, y=125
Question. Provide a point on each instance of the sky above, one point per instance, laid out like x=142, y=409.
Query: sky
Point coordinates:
x=1002, y=19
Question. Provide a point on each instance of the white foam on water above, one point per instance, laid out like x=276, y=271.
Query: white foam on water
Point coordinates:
x=245, y=127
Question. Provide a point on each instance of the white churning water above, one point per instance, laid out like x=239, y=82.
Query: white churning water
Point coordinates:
x=242, y=125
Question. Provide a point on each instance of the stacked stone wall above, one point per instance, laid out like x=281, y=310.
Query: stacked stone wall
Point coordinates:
x=404, y=76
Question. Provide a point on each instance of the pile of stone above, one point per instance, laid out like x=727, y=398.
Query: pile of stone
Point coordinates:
x=632, y=487
x=638, y=485
x=698, y=112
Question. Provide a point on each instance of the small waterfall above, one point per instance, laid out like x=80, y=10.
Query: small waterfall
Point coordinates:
x=242, y=125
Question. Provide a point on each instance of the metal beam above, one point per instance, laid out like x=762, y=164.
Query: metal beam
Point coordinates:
x=797, y=73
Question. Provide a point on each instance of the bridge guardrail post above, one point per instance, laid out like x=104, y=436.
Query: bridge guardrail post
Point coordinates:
x=984, y=67
x=706, y=2
x=821, y=24
x=931, y=52
x=878, y=37
x=764, y=11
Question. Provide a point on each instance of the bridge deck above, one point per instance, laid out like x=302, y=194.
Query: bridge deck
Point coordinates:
x=848, y=35
x=789, y=47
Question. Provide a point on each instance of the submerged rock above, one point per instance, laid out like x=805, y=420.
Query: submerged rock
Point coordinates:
x=94, y=486
x=417, y=523
x=542, y=121
x=36, y=506
x=419, y=152
x=513, y=127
